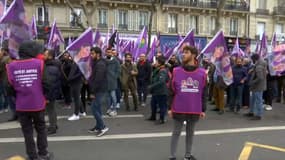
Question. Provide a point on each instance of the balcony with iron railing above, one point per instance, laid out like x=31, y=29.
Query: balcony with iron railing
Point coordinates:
x=102, y=25
x=172, y=30
x=129, y=1
x=262, y=11
x=280, y=10
x=237, y=6
x=123, y=26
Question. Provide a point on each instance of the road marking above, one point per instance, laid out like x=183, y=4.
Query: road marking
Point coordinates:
x=146, y=135
x=15, y=125
x=246, y=151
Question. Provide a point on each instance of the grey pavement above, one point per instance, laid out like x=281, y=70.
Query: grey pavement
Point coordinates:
x=221, y=146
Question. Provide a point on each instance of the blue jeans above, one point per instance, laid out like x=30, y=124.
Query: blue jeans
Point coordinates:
x=256, y=105
x=112, y=99
x=236, y=92
x=97, y=110
x=161, y=102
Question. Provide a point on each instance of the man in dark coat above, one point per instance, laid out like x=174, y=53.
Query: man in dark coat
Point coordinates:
x=98, y=89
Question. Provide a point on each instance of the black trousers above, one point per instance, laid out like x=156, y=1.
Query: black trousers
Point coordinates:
x=142, y=90
x=84, y=90
x=246, y=95
x=75, y=94
x=66, y=94
x=29, y=121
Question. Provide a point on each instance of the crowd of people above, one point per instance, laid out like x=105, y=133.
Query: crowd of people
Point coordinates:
x=179, y=88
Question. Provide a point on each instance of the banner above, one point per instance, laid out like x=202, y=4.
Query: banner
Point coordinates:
x=141, y=44
x=18, y=29
x=80, y=52
x=55, y=38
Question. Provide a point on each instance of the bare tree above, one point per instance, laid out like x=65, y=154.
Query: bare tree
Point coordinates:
x=89, y=11
x=220, y=6
x=77, y=17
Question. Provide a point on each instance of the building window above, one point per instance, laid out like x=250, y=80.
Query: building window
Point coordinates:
x=75, y=19
x=193, y=23
x=212, y=25
x=262, y=4
x=233, y=26
x=123, y=19
x=279, y=28
x=260, y=29
x=102, y=18
x=143, y=19
x=42, y=16
x=172, y=23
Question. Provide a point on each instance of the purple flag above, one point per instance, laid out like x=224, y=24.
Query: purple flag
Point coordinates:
x=263, y=46
x=33, y=27
x=152, y=51
x=69, y=41
x=217, y=41
x=80, y=52
x=277, y=61
x=98, y=39
x=141, y=43
x=216, y=50
x=237, y=51
x=55, y=37
x=17, y=26
x=187, y=40
x=127, y=47
x=180, y=38
x=273, y=41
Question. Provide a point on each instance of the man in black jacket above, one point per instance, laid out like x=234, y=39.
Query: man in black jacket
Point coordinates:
x=53, y=70
x=143, y=78
x=97, y=84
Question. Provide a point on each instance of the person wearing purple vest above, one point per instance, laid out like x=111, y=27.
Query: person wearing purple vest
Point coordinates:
x=189, y=102
x=30, y=84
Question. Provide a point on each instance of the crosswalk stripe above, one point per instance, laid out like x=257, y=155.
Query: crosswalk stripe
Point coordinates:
x=146, y=135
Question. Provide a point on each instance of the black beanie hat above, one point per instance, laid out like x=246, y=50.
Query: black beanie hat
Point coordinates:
x=30, y=49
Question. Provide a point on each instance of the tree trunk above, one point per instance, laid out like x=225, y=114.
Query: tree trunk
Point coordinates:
x=87, y=13
x=220, y=7
x=75, y=15
x=152, y=10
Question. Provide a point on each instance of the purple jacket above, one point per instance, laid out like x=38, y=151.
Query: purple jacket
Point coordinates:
x=188, y=89
x=25, y=76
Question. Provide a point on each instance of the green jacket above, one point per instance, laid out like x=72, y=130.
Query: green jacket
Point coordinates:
x=159, y=82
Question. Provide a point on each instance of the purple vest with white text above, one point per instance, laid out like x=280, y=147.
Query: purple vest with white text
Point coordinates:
x=188, y=89
x=26, y=78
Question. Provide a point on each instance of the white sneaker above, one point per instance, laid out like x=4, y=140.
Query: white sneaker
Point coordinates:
x=102, y=132
x=6, y=110
x=268, y=108
x=1, y=111
x=118, y=106
x=143, y=104
x=113, y=113
x=82, y=114
x=74, y=117
x=109, y=111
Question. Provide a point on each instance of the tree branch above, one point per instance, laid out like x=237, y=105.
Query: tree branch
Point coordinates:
x=75, y=15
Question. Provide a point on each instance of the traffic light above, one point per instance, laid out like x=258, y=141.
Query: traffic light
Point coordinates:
x=44, y=32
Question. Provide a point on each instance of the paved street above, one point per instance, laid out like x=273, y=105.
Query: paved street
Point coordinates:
x=131, y=137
